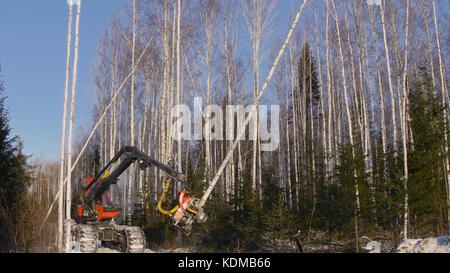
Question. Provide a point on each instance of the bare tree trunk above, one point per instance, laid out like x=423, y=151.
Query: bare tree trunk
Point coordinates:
x=163, y=102
x=322, y=106
x=288, y=155
x=383, y=121
x=69, y=141
x=404, y=128
x=63, y=136
x=151, y=140
x=112, y=146
x=388, y=66
x=430, y=51
x=257, y=19
x=444, y=102
x=144, y=133
x=362, y=51
x=209, y=21
x=304, y=124
x=229, y=97
x=349, y=120
x=352, y=75
x=250, y=116
x=357, y=91
x=313, y=167
x=132, y=130
x=295, y=122
x=180, y=169
x=329, y=87
x=172, y=87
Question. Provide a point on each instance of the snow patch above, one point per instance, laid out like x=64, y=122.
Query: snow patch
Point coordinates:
x=373, y=247
x=439, y=244
x=76, y=247
x=106, y=250
x=176, y=250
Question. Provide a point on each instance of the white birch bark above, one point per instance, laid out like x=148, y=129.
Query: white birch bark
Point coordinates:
x=133, y=49
x=63, y=136
x=288, y=155
x=172, y=87
x=179, y=146
x=228, y=49
x=71, y=125
x=349, y=120
x=163, y=102
x=313, y=167
x=323, y=125
x=294, y=127
x=99, y=121
x=383, y=121
x=329, y=153
x=362, y=51
x=444, y=95
x=113, y=110
x=132, y=130
x=430, y=51
x=388, y=67
x=404, y=129
x=210, y=22
x=250, y=116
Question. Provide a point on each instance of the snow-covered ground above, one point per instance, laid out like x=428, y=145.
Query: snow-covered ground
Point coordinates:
x=439, y=244
x=177, y=250
x=102, y=249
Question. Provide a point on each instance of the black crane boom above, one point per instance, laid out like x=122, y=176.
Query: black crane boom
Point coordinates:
x=127, y=155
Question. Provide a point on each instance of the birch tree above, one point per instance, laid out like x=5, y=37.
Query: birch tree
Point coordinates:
x=444, y=97
x=133, y=49
x=256, y=102
x=63, y=134
x=71, y=124
x=404, y=127
x=362, y=65
x=209, y=24
x=349, y=121
x=257, y=17
x=389, y=75
x=178, y=94
x=383, y=120
x=329, y=94
x=229, y=49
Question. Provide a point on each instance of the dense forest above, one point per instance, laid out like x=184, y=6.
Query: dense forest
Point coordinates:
x=362, y=89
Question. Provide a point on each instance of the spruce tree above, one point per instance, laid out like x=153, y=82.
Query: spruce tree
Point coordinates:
x=427, y=180
x=13, y=178
x=306, y=98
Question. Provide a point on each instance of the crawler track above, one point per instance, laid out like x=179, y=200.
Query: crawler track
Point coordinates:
x=135, y=238
x=87, y=236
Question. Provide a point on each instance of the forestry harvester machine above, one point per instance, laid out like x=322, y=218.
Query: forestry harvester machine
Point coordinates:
x=95, y=218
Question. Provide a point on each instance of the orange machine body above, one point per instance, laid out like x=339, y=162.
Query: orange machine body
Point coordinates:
x=105, y=215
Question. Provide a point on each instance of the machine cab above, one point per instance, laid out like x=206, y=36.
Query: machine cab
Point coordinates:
x=102, y=208
x=108, y=206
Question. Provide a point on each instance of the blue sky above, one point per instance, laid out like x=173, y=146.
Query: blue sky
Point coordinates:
x=33, y=37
